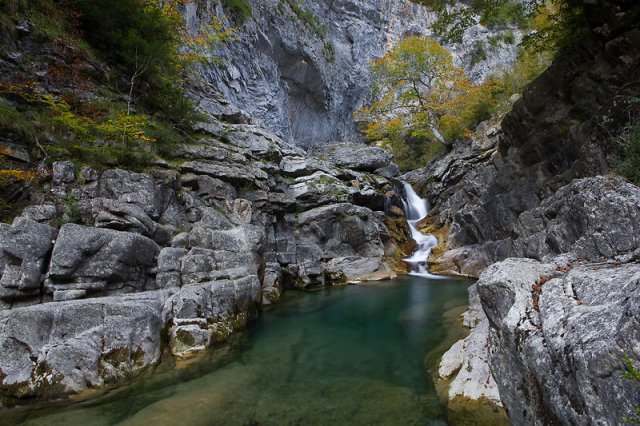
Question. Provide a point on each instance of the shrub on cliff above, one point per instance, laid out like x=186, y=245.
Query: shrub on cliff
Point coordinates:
x=632, y=374
x=629, y=140
x=141, y=39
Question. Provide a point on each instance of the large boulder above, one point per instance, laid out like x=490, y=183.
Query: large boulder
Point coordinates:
x=92, y=261
x=356, y=156
x=329, y=244
x=559, y=332
x=203, y=314
x=25, y=247
x=55, y=349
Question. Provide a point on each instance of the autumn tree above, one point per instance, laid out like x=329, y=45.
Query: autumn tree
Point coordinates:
x=419, y=92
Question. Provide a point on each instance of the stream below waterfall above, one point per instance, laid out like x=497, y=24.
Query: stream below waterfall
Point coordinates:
x=352, y=355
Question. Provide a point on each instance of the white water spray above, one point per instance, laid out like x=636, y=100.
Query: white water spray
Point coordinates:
x=416, y=209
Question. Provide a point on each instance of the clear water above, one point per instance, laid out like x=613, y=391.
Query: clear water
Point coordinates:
x=352, y=355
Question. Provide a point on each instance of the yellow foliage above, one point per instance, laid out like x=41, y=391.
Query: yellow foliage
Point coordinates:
x=419, y=90
x=7, y=175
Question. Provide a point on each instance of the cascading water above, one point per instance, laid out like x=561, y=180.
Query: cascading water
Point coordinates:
x=416, y=209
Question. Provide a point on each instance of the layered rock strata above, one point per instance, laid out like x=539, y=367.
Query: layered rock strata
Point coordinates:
x=184, y=254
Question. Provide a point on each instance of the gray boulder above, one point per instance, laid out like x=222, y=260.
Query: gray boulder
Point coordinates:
x=558, y=335
x=91, y=261
x=25, y=248
x=114, y=214
x=56, y=349
x=203, y=314
x=356, y=156
x=141, y=189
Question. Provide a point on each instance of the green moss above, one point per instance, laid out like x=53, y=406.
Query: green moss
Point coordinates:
x=478, y=53
x=305, y=15
x=329, y=52
x=241, y=8
x=185, y=338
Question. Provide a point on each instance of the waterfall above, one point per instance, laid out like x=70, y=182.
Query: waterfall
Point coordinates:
x=416, y=209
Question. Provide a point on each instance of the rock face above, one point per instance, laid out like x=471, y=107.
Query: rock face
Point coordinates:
x=89, y=261
x=183, y=255
x=54, y=349
x=562, y=315
x=303, y=77
x=557, y=351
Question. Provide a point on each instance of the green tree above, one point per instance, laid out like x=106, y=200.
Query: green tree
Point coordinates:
x=419, y=92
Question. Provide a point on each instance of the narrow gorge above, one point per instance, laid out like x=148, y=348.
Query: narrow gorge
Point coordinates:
x=230, y=213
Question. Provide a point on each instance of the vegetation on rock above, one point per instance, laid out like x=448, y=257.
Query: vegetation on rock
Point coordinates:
x=420, y=97
x=633, y=374
x=629, y=141
x=453, y=18
x=422, y=101
x=103, y=87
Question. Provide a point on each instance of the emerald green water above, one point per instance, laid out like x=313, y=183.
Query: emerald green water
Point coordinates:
x=350, y=355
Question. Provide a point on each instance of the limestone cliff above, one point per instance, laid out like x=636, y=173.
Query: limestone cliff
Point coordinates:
x=303, y=77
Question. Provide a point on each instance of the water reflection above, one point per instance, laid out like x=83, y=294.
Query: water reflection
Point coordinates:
x=352, y=355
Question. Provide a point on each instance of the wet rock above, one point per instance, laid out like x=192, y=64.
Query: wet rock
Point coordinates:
x=97, y=262
x=207, y=313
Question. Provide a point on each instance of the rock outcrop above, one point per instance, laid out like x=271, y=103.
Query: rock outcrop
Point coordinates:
x=184, y=254
x=561, y=315
x=559, y=332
